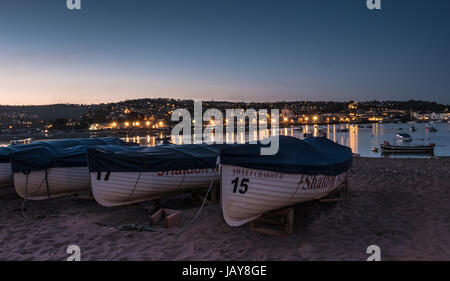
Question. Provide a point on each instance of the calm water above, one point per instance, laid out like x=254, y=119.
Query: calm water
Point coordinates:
x=360, y=140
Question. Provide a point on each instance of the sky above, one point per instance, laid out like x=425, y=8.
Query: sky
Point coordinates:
x=235, y=50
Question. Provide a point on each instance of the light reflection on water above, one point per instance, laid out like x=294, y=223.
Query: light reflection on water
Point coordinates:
x=360, y=138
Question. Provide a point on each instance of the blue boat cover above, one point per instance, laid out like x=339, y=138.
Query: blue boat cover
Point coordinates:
x=311, y=156
x=154, y=159
x=58, y=153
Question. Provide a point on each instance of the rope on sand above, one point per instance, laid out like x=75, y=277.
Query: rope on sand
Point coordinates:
x=151, y=229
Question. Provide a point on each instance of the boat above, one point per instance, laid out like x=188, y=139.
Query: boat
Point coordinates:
x=122, y=176
x=302, y=170
x=165, y=140
x=374, y=149
x=403, y=137
x=433, y=129
x=413, y=129
x=54, y=169
x=322, y=134
x=322, y=131
x=407, y=149
x=6, y=175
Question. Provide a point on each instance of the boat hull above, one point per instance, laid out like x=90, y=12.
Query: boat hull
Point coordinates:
x=247, y=194
x=124, y=188
x=6, y=176
x=61, y=182
x=407, y=149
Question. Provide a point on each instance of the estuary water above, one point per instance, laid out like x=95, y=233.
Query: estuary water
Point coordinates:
x=361, y=138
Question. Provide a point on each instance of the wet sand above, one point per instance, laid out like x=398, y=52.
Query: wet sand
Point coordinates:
x=401, y=205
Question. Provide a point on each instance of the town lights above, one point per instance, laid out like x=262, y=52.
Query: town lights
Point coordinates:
x=127, y=124
x=114, y=124
x=161, y=123
x=147, y=123
x=315, y=118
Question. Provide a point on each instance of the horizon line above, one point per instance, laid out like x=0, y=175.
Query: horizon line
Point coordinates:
x=247, y=102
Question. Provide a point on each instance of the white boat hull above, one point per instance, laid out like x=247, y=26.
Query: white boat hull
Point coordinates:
x=124, y=188
x=247, y=193
x=6, y=176
x=61, y=182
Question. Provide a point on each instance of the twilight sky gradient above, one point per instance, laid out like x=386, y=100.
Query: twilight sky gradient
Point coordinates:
x=238, y=50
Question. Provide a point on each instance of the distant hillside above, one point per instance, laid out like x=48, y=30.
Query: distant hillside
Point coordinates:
x=50, y=112
x=162, y=108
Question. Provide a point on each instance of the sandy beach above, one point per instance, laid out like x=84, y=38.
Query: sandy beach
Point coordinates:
x=401, y=205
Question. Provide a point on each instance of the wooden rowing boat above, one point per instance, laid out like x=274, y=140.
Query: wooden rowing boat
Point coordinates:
x=248, y=193
x=54, y=169
x=254, y=184
x=122, y=176
x=124, y=188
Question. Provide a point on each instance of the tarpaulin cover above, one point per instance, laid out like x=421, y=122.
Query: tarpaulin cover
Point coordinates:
x=311, y=156
x=153, y=159
x=58, y=153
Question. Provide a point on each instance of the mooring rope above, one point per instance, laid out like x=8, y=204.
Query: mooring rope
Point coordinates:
x=26, y=193
x=132, y=191
x=22, y=211
x=149, y=228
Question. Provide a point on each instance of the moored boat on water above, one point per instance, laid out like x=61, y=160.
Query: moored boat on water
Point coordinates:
x=404, y=137
x=53, y=169
x=407, y=149
x=254, y=184
x=123, y=176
